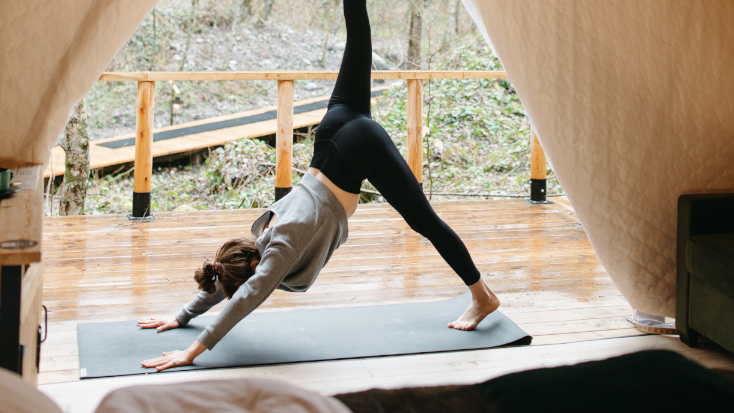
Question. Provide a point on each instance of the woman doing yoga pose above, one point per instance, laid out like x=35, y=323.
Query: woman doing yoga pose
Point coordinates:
x=297, y=235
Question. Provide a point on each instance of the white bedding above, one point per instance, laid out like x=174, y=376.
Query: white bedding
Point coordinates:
x=633, y=102
x=220, y=396
x=17, y=396
x=215, y=396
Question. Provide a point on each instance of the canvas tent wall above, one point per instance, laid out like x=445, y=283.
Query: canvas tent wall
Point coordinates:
x=51, y=53
x=633, y=102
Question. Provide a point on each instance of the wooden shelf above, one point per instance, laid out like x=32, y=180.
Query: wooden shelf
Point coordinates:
x=21, y=219
x=21, y=277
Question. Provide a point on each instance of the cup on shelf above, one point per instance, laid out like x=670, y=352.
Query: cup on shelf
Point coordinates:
x=5, y=176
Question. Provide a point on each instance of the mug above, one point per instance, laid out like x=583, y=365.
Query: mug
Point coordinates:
x=5, y=176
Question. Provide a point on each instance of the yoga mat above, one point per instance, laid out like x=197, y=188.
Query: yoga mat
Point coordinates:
x=117, y=348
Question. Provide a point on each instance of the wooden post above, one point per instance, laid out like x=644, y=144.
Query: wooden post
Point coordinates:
x=21, y=273
x=31, y=309
x=143, y=153
x=537, y=170
x=415, y=128
x=284, y=140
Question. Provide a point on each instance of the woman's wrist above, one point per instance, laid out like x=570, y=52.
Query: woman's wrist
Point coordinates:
x=195, y=349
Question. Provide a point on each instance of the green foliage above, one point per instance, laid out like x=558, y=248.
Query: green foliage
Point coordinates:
x=478, y=135
x=477, y=142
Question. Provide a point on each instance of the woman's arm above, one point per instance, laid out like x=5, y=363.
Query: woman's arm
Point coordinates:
x=275, y=264
x=202, y=303
x=196, y=307
x=272, y=269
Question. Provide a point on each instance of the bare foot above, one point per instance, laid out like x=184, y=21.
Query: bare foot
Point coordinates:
x=482, y=304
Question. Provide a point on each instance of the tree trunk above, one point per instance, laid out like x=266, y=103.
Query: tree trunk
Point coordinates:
x=187, y=45
x=231, y=36
x=246, y=9
x=265, y=13
x=75, y=143
x=414, y=35
x=335, y=14
x=457, y=17
x=153, y=50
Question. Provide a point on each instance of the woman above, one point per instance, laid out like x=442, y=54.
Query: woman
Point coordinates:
x=297, y=235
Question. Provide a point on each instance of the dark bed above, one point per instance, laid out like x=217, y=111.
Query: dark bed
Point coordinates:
x=648, y=381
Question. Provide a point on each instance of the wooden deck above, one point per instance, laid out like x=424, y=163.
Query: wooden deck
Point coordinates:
x=535, y=257
x=101, y=156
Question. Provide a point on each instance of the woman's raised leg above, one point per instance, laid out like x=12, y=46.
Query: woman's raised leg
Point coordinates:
x=393, y=178
x=353, y=84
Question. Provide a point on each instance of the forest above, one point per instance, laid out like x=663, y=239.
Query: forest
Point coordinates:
x=478, y=135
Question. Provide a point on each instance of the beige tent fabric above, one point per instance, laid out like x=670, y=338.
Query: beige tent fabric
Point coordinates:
x=20, y=397
x=51, y=53
x=633, y=102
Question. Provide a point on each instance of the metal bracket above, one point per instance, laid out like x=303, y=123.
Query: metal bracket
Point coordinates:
x=530, y=201
x=281, y=192
x=132, y=218
x=39, y=340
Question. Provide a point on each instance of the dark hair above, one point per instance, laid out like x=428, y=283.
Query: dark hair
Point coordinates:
x=233, y=265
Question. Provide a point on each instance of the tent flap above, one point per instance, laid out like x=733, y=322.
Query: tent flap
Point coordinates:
x=51, y=53
x=633, y=102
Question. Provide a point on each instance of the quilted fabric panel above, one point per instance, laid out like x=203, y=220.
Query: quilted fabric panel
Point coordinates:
x=633, y=102
x=51, y=53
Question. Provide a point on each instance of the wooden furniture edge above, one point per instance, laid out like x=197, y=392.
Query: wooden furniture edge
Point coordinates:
x=16, y=218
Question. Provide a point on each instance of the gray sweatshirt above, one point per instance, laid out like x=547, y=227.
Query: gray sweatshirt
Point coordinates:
x=311, y=223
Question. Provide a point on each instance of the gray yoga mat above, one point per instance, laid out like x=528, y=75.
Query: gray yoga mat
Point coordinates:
x=117, y=348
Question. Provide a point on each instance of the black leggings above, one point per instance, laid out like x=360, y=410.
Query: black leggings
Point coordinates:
x=351, y=147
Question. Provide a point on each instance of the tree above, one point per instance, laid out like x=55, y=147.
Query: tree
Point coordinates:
x=75, y=143
x=232, y=34
x=246, y=9
x=457, y=17
x=333, y=14
x=414, y=35
x=187, y=45
x=265, y=13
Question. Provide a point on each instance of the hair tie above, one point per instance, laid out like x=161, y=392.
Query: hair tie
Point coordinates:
x=216, y=268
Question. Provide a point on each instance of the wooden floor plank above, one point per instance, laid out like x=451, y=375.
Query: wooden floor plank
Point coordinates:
x=536, y=257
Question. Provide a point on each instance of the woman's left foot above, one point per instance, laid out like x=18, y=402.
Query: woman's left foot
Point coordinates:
x=483, y=303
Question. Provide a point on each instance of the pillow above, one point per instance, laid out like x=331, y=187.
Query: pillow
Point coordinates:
x=20, y=397
x=220, y=396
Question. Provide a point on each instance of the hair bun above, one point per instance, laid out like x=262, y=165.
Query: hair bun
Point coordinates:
x=218, y=268
x=213, y=269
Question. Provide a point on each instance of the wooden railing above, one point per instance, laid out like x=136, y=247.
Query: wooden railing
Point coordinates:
x=284, y=132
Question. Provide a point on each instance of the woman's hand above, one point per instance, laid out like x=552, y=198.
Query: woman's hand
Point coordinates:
x=159, y=324
x=170, y=359
x=175, y=358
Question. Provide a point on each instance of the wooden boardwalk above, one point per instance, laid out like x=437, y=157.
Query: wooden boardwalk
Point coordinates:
x=104, y=153
x=537, y=258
